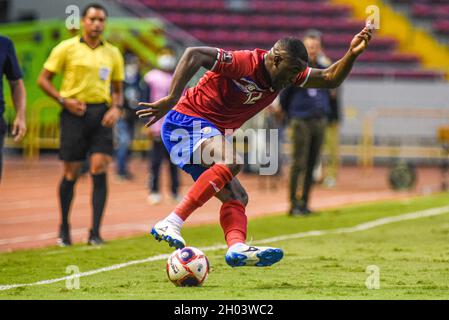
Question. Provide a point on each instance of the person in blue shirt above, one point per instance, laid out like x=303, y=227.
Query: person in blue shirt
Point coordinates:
x=306, y=111
x=9, y=66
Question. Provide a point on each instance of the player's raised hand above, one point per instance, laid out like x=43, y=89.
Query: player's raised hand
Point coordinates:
x=156, y=109
x=361, y=40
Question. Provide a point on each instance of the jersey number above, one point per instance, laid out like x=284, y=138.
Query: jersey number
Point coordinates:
x=253, y=97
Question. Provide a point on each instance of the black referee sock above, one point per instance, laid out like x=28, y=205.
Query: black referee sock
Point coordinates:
x=65, y=200
x=99, y=194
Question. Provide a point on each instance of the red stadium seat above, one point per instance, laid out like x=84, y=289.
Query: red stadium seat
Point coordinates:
x=259, y=23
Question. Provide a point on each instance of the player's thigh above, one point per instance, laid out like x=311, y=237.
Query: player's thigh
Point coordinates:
x=74, y=144
x=218, y=149
x=233, y=191
x=101, y=148
x=317, y=140
x=301, y=138
x=72, y=169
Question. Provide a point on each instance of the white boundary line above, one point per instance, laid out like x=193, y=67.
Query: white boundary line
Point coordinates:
x=360, y=227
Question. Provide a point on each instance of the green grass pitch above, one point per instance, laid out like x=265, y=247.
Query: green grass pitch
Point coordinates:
x=412, y=257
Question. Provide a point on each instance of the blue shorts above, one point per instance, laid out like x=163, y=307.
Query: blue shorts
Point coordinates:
x=182, y=135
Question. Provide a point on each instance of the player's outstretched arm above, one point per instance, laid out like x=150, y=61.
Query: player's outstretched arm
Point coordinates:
x=191, y=61
x=335, y=74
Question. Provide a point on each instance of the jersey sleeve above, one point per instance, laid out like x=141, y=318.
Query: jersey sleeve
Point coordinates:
x=302, y=77
x=233, y=64
x=12, y=68
x=56, y=61
x=118, y=69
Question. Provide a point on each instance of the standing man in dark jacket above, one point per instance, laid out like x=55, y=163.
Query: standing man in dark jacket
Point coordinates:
x=306, y=110
x=9, y=66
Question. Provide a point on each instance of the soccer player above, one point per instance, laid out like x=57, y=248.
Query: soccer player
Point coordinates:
x=91, y=97
x=237, y=86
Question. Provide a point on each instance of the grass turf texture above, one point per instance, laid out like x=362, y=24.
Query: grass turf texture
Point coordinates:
x=413, y=257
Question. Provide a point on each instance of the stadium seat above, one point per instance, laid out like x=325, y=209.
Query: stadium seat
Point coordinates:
x=261, y=22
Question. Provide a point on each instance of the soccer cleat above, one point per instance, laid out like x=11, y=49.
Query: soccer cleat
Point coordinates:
x=64, y=236
x=168, y=232
x=154, y=198
x=254, y=256
x=95, y=239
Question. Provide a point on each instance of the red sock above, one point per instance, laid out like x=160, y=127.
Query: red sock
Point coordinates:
x=208, y=184
x=234, y=222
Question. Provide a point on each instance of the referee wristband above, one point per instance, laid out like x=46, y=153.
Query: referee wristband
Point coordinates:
x=61, y=101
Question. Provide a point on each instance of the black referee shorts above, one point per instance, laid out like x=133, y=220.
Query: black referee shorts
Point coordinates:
x=83, y=135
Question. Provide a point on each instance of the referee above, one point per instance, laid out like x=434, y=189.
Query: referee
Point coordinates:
x=90, y=67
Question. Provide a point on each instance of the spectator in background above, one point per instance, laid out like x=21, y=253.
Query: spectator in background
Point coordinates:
x=332, y=136
x=306, y=110
x=332, y=139
x=125, y=125
x=158, y=82
x=9, y=66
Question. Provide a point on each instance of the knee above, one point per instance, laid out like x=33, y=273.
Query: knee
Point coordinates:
x=241, y=195
x=72, y=174
x=235, y=168
x=99, y=167
x=244, y=198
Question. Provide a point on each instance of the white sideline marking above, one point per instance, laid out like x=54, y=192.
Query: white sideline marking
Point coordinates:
x=360, y=227
x=79, y=231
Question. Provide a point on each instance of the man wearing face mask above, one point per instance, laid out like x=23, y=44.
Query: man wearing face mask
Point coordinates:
x=158, y=82
x=306, y=111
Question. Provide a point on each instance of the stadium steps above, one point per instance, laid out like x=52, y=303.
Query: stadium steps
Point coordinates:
x=261, y=22
x=434, y=56
x=433, y=12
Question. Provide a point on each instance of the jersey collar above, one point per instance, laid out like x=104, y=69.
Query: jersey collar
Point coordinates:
x=83, y=41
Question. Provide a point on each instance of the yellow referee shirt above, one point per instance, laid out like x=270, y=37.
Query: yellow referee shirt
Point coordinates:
x=86, y=73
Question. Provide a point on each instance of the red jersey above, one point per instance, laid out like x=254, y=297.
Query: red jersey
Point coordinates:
x=234, y=90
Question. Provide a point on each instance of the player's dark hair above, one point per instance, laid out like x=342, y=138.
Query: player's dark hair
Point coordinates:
x=95, y=6
x=294, y=47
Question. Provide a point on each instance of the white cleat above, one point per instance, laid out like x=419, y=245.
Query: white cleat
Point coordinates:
x=253, y=256
x=154, y=198
x=168, y=232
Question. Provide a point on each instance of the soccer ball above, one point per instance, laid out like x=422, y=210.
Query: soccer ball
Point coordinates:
x=187, y=267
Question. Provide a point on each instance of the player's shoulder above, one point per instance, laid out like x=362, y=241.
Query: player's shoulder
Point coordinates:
x=252, y=58
x=111, y=47
x=5, y=41
x=255, y=54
